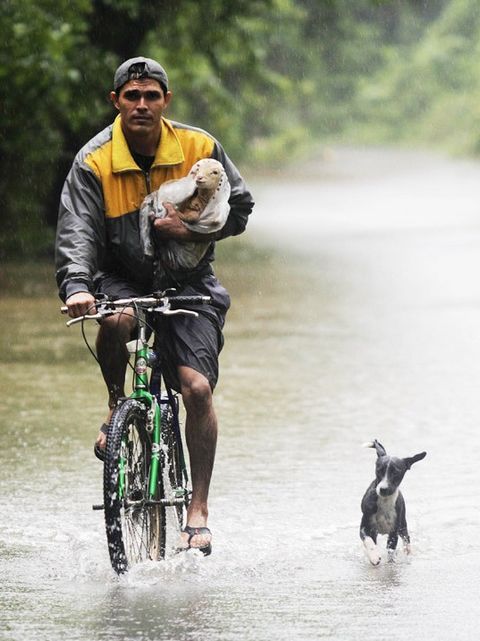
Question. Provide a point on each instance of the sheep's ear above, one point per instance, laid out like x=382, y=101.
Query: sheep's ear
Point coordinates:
x=413, y=459
x=377, y=446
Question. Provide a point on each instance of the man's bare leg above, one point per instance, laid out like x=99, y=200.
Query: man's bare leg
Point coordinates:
x=201, y=437
x=115, y=331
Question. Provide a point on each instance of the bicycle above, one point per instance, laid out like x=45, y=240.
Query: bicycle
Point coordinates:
x=144, y=468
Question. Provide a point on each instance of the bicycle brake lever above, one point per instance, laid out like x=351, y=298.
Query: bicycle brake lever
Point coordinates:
x=79, y=319
x=184, y=312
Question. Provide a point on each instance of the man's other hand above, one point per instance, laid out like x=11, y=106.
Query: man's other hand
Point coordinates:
x=80, y=304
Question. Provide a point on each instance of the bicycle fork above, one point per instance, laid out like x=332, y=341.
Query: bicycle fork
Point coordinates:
x=145, y=358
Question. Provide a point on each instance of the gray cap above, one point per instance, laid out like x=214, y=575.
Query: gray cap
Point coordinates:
x=140, y=68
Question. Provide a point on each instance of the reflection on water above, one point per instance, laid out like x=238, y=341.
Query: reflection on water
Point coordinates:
x=358, y=321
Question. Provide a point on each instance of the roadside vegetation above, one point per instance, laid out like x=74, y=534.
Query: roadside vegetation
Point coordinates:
x=272, y=79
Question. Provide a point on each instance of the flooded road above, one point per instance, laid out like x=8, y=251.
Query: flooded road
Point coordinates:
x=356, y=315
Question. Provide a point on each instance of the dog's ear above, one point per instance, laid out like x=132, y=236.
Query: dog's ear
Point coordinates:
x=378, y=447
x=413, y=459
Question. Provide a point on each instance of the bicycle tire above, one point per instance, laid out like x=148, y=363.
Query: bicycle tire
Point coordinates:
x=172, y=472
x=135, y=530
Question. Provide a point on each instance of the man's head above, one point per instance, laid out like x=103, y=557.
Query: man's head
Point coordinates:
x=141, y=95
x=140, y=67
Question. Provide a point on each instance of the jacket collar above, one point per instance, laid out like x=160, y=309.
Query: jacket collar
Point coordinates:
x=169, y=150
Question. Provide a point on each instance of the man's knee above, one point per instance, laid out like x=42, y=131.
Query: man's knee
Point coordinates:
x=122, y=324
x=196, y=390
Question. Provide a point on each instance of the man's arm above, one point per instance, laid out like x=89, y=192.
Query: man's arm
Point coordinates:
x=240, y=201
x=80, y=237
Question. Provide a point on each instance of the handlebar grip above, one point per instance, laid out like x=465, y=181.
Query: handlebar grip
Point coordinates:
x=180, y=301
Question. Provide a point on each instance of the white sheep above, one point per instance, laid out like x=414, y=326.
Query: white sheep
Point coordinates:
x=201, y=199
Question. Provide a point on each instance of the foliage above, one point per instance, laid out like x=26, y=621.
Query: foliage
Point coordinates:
x=427, y=90
x=58, y=60
x=42, y=68
x=235, y=77
x=269, y=78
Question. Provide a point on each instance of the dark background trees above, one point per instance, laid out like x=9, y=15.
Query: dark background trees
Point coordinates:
x=270, y=78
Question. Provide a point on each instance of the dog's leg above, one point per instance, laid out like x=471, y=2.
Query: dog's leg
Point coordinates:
x=372, y=550
x=402, y=526
x=406, y=540
x=392, y=544
x=369, y=540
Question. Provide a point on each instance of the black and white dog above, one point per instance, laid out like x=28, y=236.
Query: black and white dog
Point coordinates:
x=383, y=507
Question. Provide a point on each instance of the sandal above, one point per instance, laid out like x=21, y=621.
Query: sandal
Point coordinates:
x=97, y=450
x=193, y=531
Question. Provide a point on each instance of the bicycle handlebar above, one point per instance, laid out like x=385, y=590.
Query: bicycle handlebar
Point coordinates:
x=166, y=305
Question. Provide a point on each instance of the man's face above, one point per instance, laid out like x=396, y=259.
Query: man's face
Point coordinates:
x=141, y=104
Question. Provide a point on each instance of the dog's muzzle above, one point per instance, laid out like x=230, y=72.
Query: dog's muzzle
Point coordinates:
x=385, y=490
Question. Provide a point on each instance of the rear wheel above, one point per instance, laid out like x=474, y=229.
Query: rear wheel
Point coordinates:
x=135, y=527
x=174, y=484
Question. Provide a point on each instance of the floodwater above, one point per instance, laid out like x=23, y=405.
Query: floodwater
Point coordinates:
x=356, y=316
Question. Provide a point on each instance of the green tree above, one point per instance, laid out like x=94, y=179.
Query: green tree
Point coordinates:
x=38, y=41
x=267, y=77
x=427, y=91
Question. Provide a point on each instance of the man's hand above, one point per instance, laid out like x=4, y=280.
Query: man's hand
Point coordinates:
x=80, y=304
x=171, y=226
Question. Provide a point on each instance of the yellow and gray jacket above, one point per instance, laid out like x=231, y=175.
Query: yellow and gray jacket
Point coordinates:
x=98, y=226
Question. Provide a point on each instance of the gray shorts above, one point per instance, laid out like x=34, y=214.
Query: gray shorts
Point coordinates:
x=183, y=340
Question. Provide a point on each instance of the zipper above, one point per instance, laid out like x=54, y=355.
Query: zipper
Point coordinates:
x=147, y=181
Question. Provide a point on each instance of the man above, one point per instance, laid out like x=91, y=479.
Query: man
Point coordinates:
x=98, y=250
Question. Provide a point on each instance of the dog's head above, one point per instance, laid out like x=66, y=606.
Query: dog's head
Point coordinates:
x=390, y=470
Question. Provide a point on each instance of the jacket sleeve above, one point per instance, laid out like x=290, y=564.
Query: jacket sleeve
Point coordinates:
x=80, y=240
x=240, y=201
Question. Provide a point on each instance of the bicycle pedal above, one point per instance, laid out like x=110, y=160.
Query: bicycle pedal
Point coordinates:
x=98, y=507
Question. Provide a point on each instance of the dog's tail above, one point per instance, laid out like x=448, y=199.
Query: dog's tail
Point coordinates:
x=377, y=446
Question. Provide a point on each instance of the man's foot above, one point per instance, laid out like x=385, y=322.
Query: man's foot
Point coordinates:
x=101, y=442
x=196, y=538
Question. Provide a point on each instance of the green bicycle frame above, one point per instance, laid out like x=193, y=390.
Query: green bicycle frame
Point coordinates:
x=141, y=392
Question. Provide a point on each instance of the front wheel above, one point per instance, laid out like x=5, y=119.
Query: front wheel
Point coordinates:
x=135, y=525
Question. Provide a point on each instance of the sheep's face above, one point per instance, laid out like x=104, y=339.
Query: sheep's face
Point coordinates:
x=207, y=173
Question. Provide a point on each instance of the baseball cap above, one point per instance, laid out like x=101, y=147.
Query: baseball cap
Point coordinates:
x=140, y=68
